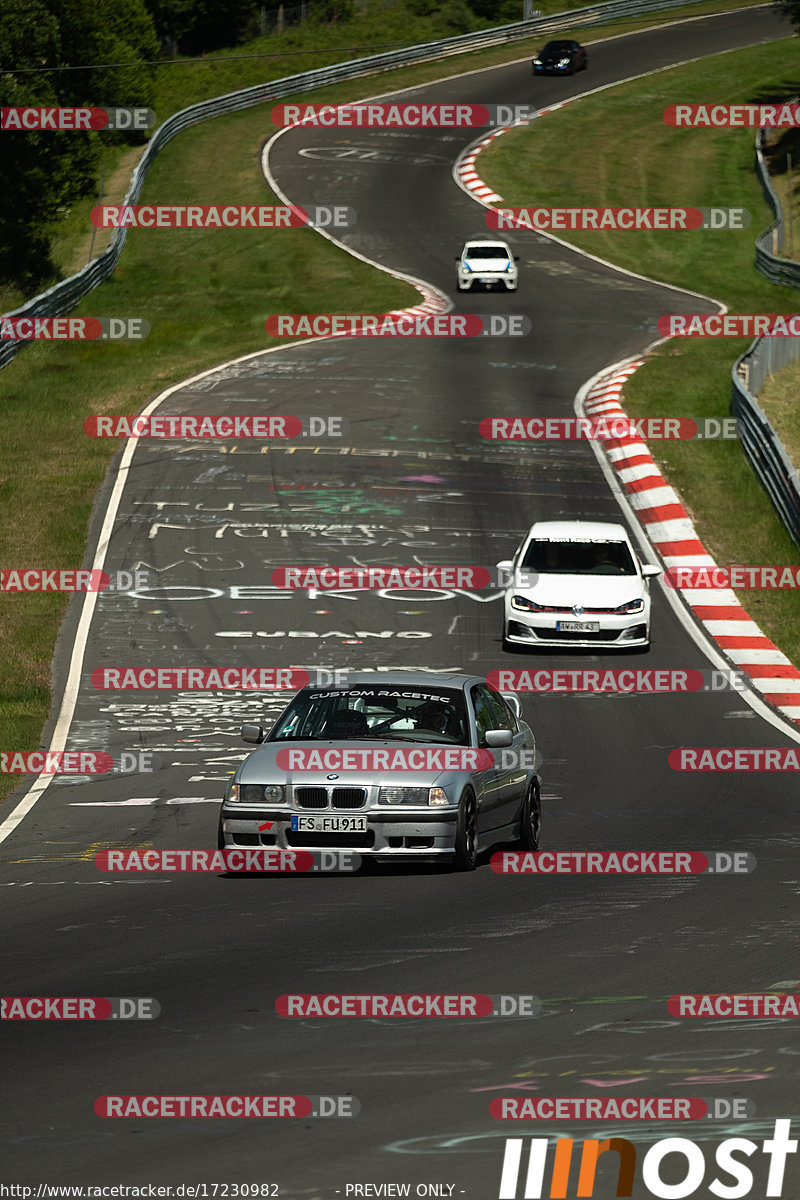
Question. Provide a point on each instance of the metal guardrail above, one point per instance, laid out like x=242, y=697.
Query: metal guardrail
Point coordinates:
x=63, y=296
x=764, y=449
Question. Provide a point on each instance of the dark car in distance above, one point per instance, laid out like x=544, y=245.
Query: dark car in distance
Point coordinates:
x=562, y=57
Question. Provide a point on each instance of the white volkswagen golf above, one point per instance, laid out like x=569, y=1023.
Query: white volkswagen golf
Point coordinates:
x=486, y=263
x=576, y=583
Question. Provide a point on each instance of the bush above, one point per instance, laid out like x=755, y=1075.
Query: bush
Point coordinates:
x=453, y=18
x=323, y=12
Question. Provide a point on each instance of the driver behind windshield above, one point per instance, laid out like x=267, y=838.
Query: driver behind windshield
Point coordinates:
x=334, y=715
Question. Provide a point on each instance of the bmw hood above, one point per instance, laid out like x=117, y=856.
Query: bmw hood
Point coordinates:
x=402, y=764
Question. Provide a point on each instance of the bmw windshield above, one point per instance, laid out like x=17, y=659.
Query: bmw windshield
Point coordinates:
x=389, y=713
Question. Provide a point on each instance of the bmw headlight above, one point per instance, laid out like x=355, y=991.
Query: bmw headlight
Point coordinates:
x=412, y=795
x=563, y=62
x=633, y=606
x=256, y=793
x=537, y=62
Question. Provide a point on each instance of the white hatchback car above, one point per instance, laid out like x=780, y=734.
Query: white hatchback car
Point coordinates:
x=576, y=583
x=486, y=262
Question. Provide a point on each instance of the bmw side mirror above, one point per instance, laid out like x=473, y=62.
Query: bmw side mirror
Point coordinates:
x=252, y=733
x=498, y=737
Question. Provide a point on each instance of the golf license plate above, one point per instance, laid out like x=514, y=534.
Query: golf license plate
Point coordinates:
x=578, y=626
x=329, y=824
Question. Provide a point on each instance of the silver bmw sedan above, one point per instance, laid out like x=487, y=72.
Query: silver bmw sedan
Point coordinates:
x=392, y=766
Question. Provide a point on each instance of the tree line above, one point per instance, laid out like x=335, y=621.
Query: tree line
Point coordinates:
x=102, y=53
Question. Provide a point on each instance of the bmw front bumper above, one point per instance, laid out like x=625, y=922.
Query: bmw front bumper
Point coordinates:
x=414, y=833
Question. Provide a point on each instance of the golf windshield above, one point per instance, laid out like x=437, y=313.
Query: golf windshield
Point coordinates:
x=579, y=558
x=487, y=252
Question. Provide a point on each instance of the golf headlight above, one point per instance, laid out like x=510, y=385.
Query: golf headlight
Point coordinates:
x=256, y=793
x=526, y=605
x=633, y=606
x=509, y=267
x=467, y=267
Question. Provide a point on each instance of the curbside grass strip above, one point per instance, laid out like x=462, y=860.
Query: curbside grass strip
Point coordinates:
x=657, y=506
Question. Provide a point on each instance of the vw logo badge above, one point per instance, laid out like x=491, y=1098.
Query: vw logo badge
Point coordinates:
x=577, y=609
x=331, y=776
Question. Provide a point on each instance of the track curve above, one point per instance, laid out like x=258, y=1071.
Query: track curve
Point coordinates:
x=413, y=480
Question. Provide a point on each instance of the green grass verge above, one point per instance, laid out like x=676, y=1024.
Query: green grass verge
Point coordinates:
x=645, y=162
x=780, y=399
x=206, y=296
x=782, y=153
